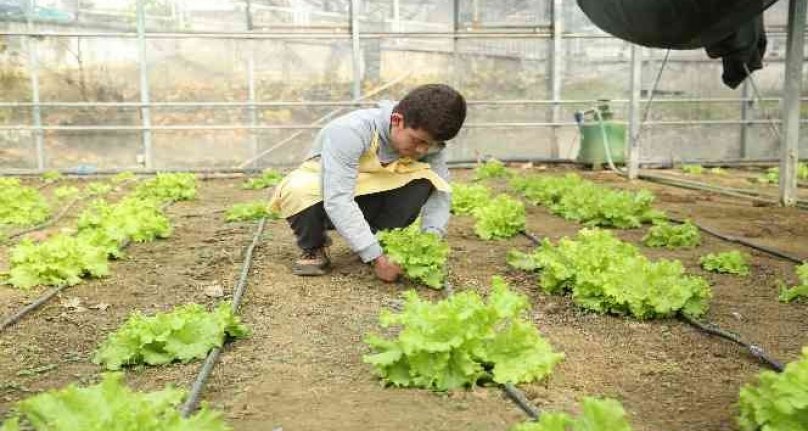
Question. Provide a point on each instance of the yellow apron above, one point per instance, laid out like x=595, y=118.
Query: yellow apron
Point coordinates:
x=301, y=188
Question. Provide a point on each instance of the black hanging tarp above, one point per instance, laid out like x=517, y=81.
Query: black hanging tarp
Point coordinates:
x=730, y=29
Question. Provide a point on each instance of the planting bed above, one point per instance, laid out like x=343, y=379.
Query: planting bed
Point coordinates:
x=302, y=367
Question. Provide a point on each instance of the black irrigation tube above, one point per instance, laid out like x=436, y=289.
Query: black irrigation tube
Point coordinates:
x=510, y=390
x=47, y=223
x=30, y=307
x=58, y=216
x=729, y=238
x=49, y=294
x=712, y=329
x=738, y=193
x=761, y=248
x=207, y=367
x=753, y=349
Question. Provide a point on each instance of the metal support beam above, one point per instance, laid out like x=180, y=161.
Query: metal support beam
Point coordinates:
x=634, y=112
x=367, y=102
x=253, y=112
x=789, y=146
x=396, y=15
x=746, y=105
x=455, y=78
x=356, y=50
x=554, y=82
x=33, y=71
x=145, y=113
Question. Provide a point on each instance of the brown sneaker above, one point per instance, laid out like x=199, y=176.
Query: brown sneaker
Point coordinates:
x=312, y=262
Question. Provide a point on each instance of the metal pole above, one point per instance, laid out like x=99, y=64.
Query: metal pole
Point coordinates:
x=455, y=57
x=145, y=113
x=555, y=73
x=396, y=15
x=746, y=104
x=251, y=88
x=33, y=70
x=634, y=112
x=248, y=13
x=791, y=102
x=357, y=64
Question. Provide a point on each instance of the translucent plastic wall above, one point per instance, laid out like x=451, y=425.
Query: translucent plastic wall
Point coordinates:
x=500, y=54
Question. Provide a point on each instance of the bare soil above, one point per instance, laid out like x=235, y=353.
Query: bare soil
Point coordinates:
x=302, y=367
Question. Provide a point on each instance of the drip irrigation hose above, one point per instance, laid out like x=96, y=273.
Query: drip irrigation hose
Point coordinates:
x=701, y=186
x=207, y=368
x=47, y=223
x=30, y=307
x=753, y=349
x=519, y=398
x=752, y=245
x=531, y=237
x=713, y=329
x=51, y=293
x=510, y=390
x=738, y=193
x=58, y=216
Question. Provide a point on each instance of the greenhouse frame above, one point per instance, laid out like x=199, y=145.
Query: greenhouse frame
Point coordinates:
x=215, y=215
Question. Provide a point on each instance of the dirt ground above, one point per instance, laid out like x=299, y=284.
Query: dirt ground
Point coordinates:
x=301, y=369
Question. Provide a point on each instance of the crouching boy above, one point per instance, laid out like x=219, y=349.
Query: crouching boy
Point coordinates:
x=370, y=170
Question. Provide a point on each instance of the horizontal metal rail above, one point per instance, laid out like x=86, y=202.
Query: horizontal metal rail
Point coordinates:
x=294, y=35
x=340, y=33
x=350, y=103
x=218, y=172
x=482, y=125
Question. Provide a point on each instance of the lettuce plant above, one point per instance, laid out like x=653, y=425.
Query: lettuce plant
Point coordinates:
x=460, y=340
x=253, y=210
x=693, y=169
x=268, y=178
x=777, y=401
x=131, y=219
x=491, y=169
x=501, y=218
x=422, y=255
x=730, y=262
x=605, y=274
x=65, y=192
x=468, y=197
x=597, y=414
x=98, y=188
x=800, y=290
x=583, y=201
x=60, y=260
x=188, y=332
x=664, y=234
x=166, y=187
x=51, y=176
x=21, y=205
x=109, y=406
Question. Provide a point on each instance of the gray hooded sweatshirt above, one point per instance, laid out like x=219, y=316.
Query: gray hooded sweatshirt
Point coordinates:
x=339, y=145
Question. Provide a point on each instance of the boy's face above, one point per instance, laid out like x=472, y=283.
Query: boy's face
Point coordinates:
x=408, y=142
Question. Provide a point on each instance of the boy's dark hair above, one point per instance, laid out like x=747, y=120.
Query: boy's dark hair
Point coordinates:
x=437, y=109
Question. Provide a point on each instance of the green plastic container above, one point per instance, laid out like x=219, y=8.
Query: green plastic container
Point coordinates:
x=592, y=151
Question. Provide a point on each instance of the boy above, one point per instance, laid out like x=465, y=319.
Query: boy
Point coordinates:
x=371, y=170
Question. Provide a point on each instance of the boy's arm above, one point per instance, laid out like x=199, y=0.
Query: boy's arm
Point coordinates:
x=342, y=148
x=435, y=213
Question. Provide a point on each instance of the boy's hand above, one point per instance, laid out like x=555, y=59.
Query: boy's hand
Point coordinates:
x=385, y=269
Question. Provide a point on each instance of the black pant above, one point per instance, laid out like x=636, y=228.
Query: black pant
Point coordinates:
x=386, y=210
